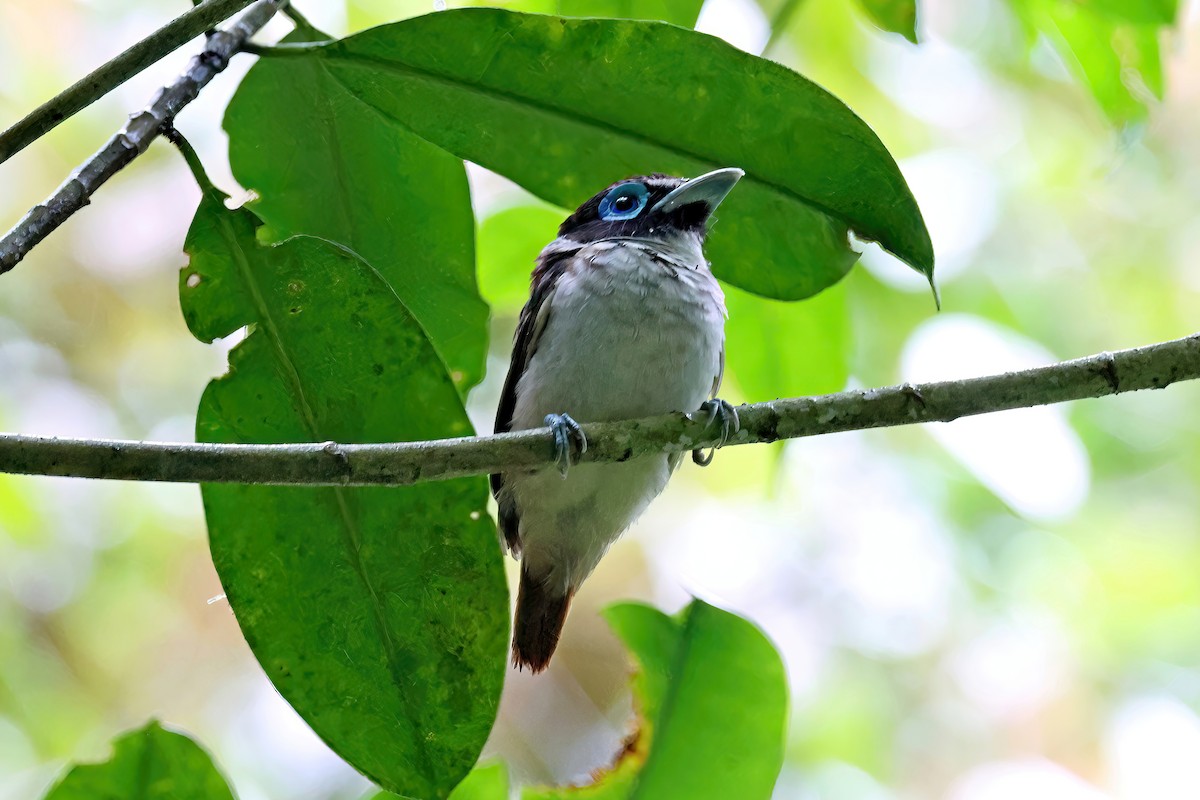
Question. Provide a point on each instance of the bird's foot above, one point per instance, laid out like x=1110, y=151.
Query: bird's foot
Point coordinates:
x=719, y=411
x=568, y=437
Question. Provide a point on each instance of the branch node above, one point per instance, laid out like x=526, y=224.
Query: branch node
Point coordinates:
x=339, y=455
x=213, y=60
x=768, y=431
x=1108, y=370
x=910, y=391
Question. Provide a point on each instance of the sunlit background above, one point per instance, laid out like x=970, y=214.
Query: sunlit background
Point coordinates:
x=1006, y=606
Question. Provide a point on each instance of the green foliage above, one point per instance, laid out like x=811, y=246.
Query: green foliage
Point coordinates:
x=389, y=645
x=379, y=614
x=1111, y=46
x=349, y=175
x=897, y=16
x=776, y=349
x=146, y=764
x=509, y=240
x=711, y=694
x=526, y=94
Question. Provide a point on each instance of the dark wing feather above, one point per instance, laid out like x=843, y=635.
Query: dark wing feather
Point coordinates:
x=529, y=328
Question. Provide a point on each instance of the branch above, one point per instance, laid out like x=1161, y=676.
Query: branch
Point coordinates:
x=132, y=140
x=1155, y=366
x=103, y=80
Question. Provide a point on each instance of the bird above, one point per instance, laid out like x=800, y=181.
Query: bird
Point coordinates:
x=624, y=320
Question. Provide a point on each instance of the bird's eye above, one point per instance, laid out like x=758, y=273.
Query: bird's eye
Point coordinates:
x=624, y=202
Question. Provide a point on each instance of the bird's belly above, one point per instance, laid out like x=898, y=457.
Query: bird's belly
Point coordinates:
x=567, y=524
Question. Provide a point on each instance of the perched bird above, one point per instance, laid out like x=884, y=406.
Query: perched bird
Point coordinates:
x=624, y=320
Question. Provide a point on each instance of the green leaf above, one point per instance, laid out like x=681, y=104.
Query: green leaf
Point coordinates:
x=347, y=174
x=712, y=694
x=897, y=16
x=566, y=106
x=677, y=12
x=1120, y=63
x=146, y=764
x=380, y=614
x=775, y=349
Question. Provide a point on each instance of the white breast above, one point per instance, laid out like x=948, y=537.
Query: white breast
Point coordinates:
x=627, y=335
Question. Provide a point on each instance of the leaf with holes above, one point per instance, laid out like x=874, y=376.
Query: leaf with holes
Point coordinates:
x=712, y=697
x=148, y=764
x=380, y=614
x=566, y=106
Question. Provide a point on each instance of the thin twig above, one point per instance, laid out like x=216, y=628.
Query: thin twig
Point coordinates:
x=132, y=140
x=109, y=76
x=330, y=464
x=172, y=135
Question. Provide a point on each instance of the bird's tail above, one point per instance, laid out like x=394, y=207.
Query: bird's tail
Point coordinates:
x=538, y=624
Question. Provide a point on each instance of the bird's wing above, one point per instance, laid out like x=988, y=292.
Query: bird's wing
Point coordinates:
x=529, y=329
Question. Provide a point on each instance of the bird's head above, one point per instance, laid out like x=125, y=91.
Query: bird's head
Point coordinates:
x=653, y=208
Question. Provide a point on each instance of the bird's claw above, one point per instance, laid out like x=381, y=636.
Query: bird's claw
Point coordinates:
x=567, y=436
x=717, y=410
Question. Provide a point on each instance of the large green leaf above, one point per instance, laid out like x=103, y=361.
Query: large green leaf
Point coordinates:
x=146, y=764
x=380, y=614
x=566, y=106
x=326, y=165
x=897, y=16
x=712, y=696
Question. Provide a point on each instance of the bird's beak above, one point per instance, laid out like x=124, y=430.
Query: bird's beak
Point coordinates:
x=709, y=188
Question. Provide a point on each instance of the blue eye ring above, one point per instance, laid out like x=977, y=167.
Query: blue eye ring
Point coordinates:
x=624, y=202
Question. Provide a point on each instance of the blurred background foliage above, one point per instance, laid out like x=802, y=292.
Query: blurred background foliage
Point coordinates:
x=1004, y=606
